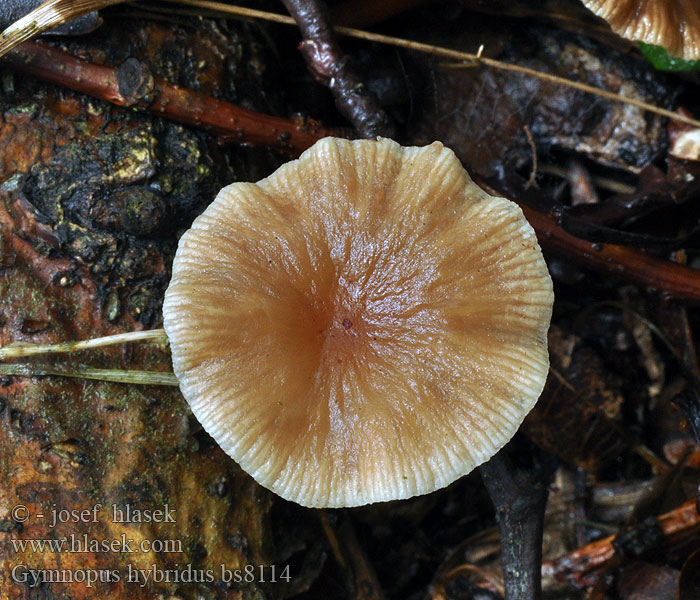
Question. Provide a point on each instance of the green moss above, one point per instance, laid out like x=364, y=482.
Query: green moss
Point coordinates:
x=23, y=109
x=662, y=61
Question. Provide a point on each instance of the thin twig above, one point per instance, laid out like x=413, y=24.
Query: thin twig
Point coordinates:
x=605, y=183
x=679, y=282
x=464, y=57
x=532, y=181
x=360, y=577
x=494, y=581
x=82, y=372
x=680, y=524
x=29, y=27
x=117, y=85
x=22, y=349
x=332, y=68
x=240, y=11
x=577, y=85
x=187, y=106
x=332, y=538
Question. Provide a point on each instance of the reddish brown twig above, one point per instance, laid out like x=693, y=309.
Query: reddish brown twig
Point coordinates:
x=578, y=566
x=332, y=68
x=132, y=85
x=677, y=281
x=245, y=126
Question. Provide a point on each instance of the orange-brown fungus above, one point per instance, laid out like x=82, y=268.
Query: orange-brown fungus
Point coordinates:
x=673, y=24
x=365, y=324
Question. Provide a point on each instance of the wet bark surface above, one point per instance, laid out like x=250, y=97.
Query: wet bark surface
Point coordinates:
x=93, y=198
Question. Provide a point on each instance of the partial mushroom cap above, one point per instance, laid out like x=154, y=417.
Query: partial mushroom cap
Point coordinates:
x=366, y=324
x=672, y=24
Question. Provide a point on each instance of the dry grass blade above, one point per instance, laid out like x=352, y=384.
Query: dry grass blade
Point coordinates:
x=466, y=59
x=50, y=14
x=82, y=372
x=56, y=12
x=22, y=349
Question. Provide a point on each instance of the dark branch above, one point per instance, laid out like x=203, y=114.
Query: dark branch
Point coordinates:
x=332, y=68
x=519, y=498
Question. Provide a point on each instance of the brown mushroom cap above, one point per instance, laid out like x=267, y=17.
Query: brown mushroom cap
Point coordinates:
x=366, y=324
x=673, y=24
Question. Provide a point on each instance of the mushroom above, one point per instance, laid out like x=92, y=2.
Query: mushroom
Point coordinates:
x=673, y=24
x=365, y=324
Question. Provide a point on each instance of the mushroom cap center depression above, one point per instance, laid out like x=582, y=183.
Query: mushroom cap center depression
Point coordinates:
x=354, y=319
